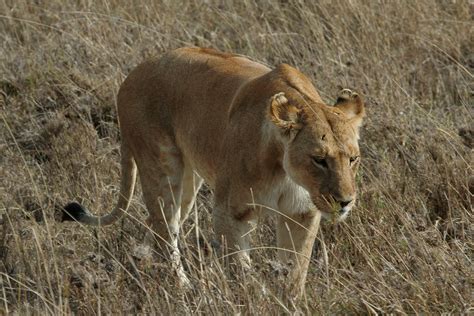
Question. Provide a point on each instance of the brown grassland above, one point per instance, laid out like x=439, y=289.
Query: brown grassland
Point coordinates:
x=407, y=247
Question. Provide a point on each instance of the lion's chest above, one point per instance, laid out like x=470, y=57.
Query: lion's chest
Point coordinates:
x=285, y=196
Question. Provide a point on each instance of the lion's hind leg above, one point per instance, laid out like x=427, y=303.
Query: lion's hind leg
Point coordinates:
x=191, y=184
x=161, y=173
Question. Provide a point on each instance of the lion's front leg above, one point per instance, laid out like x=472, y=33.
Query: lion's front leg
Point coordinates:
x=232, y=229
x=295, y=237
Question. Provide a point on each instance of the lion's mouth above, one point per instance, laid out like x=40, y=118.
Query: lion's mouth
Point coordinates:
x=343, y=213
x=330, y=209
x=334, y=212
x=339, y=216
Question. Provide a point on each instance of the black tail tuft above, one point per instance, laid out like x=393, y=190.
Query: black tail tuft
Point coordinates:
x=73, y=212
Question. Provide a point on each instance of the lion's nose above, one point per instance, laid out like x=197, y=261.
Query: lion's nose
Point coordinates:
x=345, y=203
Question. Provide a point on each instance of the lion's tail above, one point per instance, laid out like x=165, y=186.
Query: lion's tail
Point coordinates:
x=76, y=212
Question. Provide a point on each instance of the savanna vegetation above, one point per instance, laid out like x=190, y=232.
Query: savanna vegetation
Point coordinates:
x=407, y=247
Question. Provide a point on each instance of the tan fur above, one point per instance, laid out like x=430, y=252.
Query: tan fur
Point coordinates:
x=252, y=134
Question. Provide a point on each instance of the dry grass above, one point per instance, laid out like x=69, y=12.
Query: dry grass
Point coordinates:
x=407, y=248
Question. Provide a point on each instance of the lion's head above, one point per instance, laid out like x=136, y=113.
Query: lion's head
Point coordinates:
x=321, y=148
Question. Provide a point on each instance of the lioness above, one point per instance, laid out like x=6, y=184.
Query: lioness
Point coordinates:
x=262, y=138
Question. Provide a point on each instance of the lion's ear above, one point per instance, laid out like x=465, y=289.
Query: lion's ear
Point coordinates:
x=352, y=105
x=283, y=114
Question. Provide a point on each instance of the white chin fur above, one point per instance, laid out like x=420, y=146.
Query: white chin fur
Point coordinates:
x=339, y=217
x=344, y=214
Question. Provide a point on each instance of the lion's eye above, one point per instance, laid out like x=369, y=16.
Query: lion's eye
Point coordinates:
x=353, y=159
x=320, y=162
